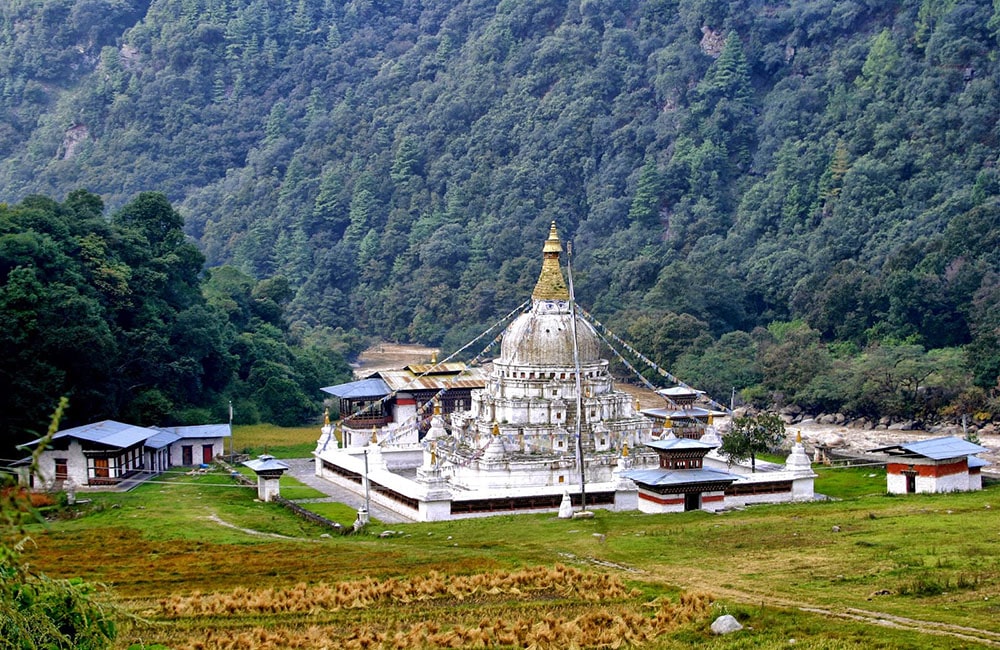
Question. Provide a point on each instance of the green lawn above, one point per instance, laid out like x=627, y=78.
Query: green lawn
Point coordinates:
x=280, y=442
x=930, y=558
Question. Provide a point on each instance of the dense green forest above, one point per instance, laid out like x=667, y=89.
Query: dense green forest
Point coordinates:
x=799, y=200
x=117, y=315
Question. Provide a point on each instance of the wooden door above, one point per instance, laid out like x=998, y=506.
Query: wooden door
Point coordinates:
x=187, y=455
x=206, y=454
x=62, y=473
x=101, y=468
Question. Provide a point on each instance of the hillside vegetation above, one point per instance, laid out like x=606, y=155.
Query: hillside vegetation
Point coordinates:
x=794, y=199
x=118, y=315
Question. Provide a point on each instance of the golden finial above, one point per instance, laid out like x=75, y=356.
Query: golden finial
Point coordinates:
x=434, y=357
x=798, y=436
x=551, y=284
x=638, y=406
x=374, y=435
x=496, y=429
x=326, y=416
x=624, y=450
x=437, y=406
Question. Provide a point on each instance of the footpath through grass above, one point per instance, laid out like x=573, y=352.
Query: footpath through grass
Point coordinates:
x=786, y=571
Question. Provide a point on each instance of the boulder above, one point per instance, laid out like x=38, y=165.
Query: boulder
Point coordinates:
x=726, y=624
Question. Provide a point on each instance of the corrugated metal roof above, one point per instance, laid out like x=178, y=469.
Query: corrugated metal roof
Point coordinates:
x=266, y=464
x=976, y=461
x=162, y=439
x=404, y=380
x=453, y=367
x=679, y=391
x=659, y=477
x=935, y=448
x=678, y=444
x=371, y=387
x=199, y=431
x=107, y=432
x=677, y=414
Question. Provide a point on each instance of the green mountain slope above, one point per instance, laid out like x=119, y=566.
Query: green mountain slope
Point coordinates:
x=718, y=166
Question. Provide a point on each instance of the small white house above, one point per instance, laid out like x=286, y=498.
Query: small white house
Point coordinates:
x=106, y=453
x=946, y=464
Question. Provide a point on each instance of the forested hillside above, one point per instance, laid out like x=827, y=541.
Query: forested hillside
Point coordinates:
x=798, y=199
x=117, y=315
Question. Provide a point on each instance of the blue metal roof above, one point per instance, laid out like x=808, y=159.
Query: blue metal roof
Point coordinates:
x=678, y=444
x=199, y=431
x=162, y=439
x=695, y=412
x=266, y=463
x=659, y=477
x=976, y=461
x=106, y=432
x=371, y=387
x=935, y=448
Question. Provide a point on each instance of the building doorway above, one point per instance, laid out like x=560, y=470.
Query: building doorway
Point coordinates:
x=911, y=482
x=206, y=454
x=101, y=469
x=692, y=501
x=187, y=455
x=62, y=473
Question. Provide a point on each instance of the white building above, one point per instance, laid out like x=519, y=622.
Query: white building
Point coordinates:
x=106, y=453
x=946, y=464
x=521, y=446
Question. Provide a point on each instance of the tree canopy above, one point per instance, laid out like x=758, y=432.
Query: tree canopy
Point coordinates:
x=829, y=163
x=119, y=315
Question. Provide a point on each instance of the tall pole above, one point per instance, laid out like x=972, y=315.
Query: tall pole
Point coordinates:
x=368, y=500
x=576, y=374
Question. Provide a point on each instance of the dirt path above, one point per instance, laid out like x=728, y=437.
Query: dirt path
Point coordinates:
x=979, y=636
x=249, y=531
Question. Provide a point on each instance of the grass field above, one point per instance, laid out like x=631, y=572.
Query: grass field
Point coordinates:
x=198, y=563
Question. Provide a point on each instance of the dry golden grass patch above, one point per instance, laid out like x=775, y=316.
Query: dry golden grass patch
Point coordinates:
x=561, y=581
x=525, y=624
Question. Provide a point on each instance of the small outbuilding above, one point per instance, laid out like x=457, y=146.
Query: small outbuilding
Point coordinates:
x=681, y=482
x=106, y=453
x=268, y=470
x=946, y=464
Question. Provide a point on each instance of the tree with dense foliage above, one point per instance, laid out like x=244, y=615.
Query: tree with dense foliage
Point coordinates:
x=752, y=435
x=830, y=162
x=117, y=314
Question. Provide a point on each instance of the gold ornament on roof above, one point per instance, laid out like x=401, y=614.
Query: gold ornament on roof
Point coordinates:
x=551, y=284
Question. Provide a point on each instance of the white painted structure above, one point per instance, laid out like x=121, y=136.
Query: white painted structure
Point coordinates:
x=269, y=471
x=515, y=449
x=108, y=452
x=945, y=464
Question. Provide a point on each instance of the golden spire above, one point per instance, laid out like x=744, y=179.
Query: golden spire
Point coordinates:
x=624, y=449
x=551, y=284
x=437, y=406
x=374, y=436
x=496, y=429
x=798, y=437
x=326, y=416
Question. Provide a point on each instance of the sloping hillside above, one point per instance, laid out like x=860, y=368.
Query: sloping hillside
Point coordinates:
x=718, y=166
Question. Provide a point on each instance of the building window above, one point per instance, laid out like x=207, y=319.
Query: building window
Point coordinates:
x=62, y=473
